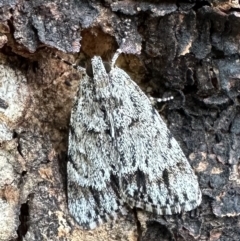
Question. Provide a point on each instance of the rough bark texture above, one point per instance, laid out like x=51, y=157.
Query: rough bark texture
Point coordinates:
x=188, y=49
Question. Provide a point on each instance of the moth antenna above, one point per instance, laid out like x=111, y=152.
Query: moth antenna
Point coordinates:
x=75, y=66
x=159, y=100
x=115, y=56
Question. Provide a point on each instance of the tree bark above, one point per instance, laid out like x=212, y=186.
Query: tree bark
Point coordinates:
x=185, y=49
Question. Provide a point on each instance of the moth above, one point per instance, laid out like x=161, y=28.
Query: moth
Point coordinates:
x=122, y=153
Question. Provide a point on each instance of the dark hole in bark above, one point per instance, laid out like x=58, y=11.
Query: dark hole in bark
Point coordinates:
x=23, y=217
x=15, y=134
x=24, y=173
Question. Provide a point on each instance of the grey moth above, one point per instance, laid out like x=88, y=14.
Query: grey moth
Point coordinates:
x=122, y=153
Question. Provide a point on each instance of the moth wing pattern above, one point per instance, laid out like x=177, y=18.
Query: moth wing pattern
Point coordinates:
x=92, y=197
x=120, y=151
x=155, y=174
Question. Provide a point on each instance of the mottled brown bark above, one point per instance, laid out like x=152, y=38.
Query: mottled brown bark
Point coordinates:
x=185, y=49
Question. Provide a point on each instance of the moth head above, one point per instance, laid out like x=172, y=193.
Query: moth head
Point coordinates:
x=97, y=63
